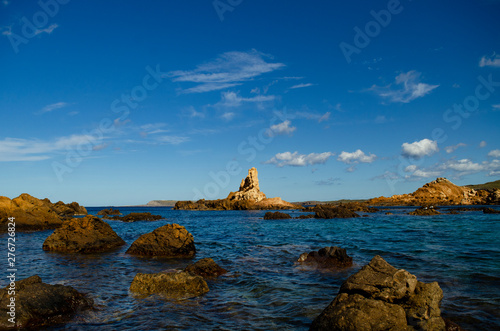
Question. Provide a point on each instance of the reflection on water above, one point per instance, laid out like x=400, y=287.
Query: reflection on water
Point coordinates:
x=265, y=289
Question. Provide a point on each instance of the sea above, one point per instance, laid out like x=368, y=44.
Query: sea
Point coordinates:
x=265, y=288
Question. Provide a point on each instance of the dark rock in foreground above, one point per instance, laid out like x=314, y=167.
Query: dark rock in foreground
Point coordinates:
x=328, y=257
x=171, y=240
x=205, y=268
x=490, y=211
x=109, y=212
x=39, y=305
x=425, y=211
x=276, y=216
x=173, y=285
x=133, y=217
x=32, y=214
x=381, y=297
x=328, y=211
x=83, y=235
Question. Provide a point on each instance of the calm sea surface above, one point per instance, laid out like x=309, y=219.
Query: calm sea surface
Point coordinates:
x=265, y=289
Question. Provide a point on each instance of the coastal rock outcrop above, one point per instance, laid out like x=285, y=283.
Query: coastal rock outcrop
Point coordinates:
x=171, y=240
x=248, y=197
x=83, y=235
x=328, y=257
x=172, y=285
x=381, y=297
x=40, y=305
x=32, y=214
x=490, y=211
x=440, y=192
x=206, y=268
x=108, y=212
x=425, y=211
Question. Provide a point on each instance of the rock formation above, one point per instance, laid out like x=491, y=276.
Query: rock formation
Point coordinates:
x=39, y=305
x=276, y=216
x=381, y=297
x=32, y=214
x=172, y=285
x=205, y=268
x=440, y=192
x=134, y=217
x=425, y=211
x=108, y=212
x=329, y=212
x=249, y=188
x=171, y=240
x=328, y=257
x=83, y=235
x=248, y=197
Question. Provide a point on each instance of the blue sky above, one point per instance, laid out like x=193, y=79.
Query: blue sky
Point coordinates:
x=122, y=102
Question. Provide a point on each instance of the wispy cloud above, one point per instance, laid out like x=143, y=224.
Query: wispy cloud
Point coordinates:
x=496, y=107
x=173, y=140
x=152, y=128
x=48, y=30
x=494, y=153
x=356, y=157
x=299, y=160
x=407, y=87
x=301, y=85
x=54, y=106
x=329, y=181
x=15, y=149
x=311, y=116
x=467, y=166
x=490, y=61
x=451, y=149
x=233, y=99
x=419, y=149
x=227, y=70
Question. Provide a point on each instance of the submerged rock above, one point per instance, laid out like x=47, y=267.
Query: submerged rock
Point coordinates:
x=381, y=297
x=276, y=216
x=83, y=235
x=425, y=211
x=108, y=212
x=328, y=257
x=490, y=211
x=173, y=285
x=171, y=240
x=32, y=214
x=40, y=305
x=133, y=217
x=329, y=212
x=205, y=268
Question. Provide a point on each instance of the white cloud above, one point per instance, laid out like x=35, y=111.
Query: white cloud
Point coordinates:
x=312, y=116
x=482, y=144
x=490, y=61
x=232, y=99
x=14, y=149
x=356, y=157
x=496, y=107
x=228, y=116
x=54, y=106
x=426, y=174
x=407, y=88
x=411, y=168
x=418, y=149
x=282, y=128
x=299, y=160
x=173, y=140
x=227, y=70
x=329, y=181
x=466, y=166
x=48, y=30
x=325, y=117
x=152, y=128
x=494, y=153
x=451, y=149
x=301, y=85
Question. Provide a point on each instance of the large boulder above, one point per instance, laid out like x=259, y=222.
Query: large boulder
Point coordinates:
x=381, y=297
x=206, y=268
x=40, y=305
x=172, y=285
x=32, y=214
x=83, y=235
x=171, y=240
x=328, y=257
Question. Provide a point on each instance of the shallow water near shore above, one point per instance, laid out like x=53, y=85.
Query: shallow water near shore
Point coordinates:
x=265, y=289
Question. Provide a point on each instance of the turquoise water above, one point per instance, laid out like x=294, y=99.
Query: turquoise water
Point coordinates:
x=265, y=289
